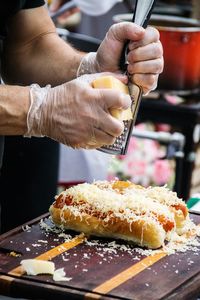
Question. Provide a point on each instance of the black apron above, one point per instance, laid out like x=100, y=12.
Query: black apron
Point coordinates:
x=28, y=174
x=1, y=150
x=1, y=137
x=8, y=8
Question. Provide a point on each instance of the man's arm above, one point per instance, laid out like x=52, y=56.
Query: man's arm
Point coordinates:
x=33, y=52
x=14, y=105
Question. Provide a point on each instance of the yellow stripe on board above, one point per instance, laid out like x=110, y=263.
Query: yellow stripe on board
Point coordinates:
x=122, y=277
x=19, y=271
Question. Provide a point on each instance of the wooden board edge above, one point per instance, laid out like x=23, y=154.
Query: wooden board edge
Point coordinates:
x=5, y=284
x=189, y=290
x=19, y=228
x=22, y=288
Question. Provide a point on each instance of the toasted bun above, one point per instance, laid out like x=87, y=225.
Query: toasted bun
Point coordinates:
x=149, y=234
x=115, y=210
x=160, y=195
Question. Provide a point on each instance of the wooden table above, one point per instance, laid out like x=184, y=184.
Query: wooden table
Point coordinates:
x=97, y=270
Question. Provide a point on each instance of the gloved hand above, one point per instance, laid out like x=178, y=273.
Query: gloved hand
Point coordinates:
x=145, y=57
x=75, y=114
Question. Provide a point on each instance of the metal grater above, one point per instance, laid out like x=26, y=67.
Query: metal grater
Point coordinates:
x=121, y=143
x=141, y=16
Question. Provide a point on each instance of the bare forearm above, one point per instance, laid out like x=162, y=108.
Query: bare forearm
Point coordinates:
x=47, y=60
x=14, y=104
x=34, y=53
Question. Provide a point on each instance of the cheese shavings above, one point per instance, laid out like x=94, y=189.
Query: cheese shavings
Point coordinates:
x=59, y=275
x=163, y=195
x=124, y=206
x=160, y=194
x=187, y=242
x=120, y=209
x=36, y=267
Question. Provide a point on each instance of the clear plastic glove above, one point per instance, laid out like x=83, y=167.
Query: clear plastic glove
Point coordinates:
x=145, y=57
x=75, y=114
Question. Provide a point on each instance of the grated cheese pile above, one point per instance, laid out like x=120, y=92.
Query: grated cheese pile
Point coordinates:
x=106, y=251
x=129, y=206
x=130, y=202
x=160, y=194
x=186, y=242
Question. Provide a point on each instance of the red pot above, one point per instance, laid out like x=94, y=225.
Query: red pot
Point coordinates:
x=180, y=38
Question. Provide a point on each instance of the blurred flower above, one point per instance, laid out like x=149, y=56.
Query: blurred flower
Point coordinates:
x=142, y=164
x=162, y=172
x=162, y=127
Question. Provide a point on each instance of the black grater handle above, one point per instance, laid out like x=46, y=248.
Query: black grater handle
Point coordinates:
x=144, y=23
x=141, y=20
x=142, y=14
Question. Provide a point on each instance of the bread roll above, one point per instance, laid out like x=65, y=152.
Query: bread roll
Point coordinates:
x=114, y=210
x=160, y=195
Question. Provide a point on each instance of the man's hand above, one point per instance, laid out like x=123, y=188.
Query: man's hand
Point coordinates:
x=145, y=56
x=75, y=114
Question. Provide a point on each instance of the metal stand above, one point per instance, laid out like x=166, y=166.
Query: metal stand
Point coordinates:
x=184, y=118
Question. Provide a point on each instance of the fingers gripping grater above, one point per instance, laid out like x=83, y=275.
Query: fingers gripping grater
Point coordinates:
x=142, y=13
x=121, y=143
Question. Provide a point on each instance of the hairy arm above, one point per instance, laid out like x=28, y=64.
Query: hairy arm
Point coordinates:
x=34, y=53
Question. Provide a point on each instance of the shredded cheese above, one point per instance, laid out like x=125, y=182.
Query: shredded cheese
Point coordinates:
x=127, y=206
x=160, y=194
x=59, y=275
x=125, y=201
x=35, y=267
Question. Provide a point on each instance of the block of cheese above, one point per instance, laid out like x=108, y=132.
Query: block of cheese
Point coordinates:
x=110, y=82
x=36, y=266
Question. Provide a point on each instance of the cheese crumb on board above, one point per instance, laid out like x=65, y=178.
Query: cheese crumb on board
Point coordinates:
x=14, y=254
x=59, y=275
x=26, y=228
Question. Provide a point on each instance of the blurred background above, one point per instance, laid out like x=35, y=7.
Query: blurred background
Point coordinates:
x=164, y=148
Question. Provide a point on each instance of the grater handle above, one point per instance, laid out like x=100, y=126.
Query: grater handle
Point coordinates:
x=141, y=16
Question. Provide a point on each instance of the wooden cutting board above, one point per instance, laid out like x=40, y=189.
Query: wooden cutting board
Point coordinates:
x=97, y=270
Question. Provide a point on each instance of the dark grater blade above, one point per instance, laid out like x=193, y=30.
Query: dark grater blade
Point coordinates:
x=121, y=143
x=142, y=13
